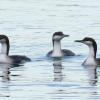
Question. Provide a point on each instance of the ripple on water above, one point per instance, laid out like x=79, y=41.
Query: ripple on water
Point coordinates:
x=30, y=25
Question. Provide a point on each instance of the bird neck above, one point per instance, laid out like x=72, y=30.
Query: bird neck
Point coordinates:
x=57, y=48
x=5, y=48
x=92, y=52
x=91, y=59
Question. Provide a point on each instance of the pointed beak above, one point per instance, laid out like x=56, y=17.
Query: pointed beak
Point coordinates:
x=66, y=35
x=79, y=41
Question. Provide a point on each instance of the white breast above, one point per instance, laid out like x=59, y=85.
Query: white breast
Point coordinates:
x=5, y=59
x=90, y=61
x=91, y=58
x=57, y=53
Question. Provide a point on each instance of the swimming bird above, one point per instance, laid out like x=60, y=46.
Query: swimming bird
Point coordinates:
x=57, y=51
x=4, y=54
x=91, y=59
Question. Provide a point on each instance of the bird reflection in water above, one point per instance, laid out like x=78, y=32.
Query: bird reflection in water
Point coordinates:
x=5, y=71
x=92, y=74
x=57, y=64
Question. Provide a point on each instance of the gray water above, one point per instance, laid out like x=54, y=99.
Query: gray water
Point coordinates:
x=29, y=24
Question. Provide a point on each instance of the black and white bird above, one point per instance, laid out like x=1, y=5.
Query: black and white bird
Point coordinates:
x=57, y=51
x=91, y=59
x=4, y=54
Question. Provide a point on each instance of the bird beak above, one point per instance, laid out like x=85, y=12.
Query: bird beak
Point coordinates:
x=79, y=41
x=66, y=35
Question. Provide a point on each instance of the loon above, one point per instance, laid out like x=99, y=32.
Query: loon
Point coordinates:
x=4, y=54
x=91, y=59
x=57, y=51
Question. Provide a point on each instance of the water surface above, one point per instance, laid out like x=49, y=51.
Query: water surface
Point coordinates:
x=30, y=25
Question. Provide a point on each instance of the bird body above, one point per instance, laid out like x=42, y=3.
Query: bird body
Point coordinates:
x=4, y=55
x=91, y=59
x=57, y=51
